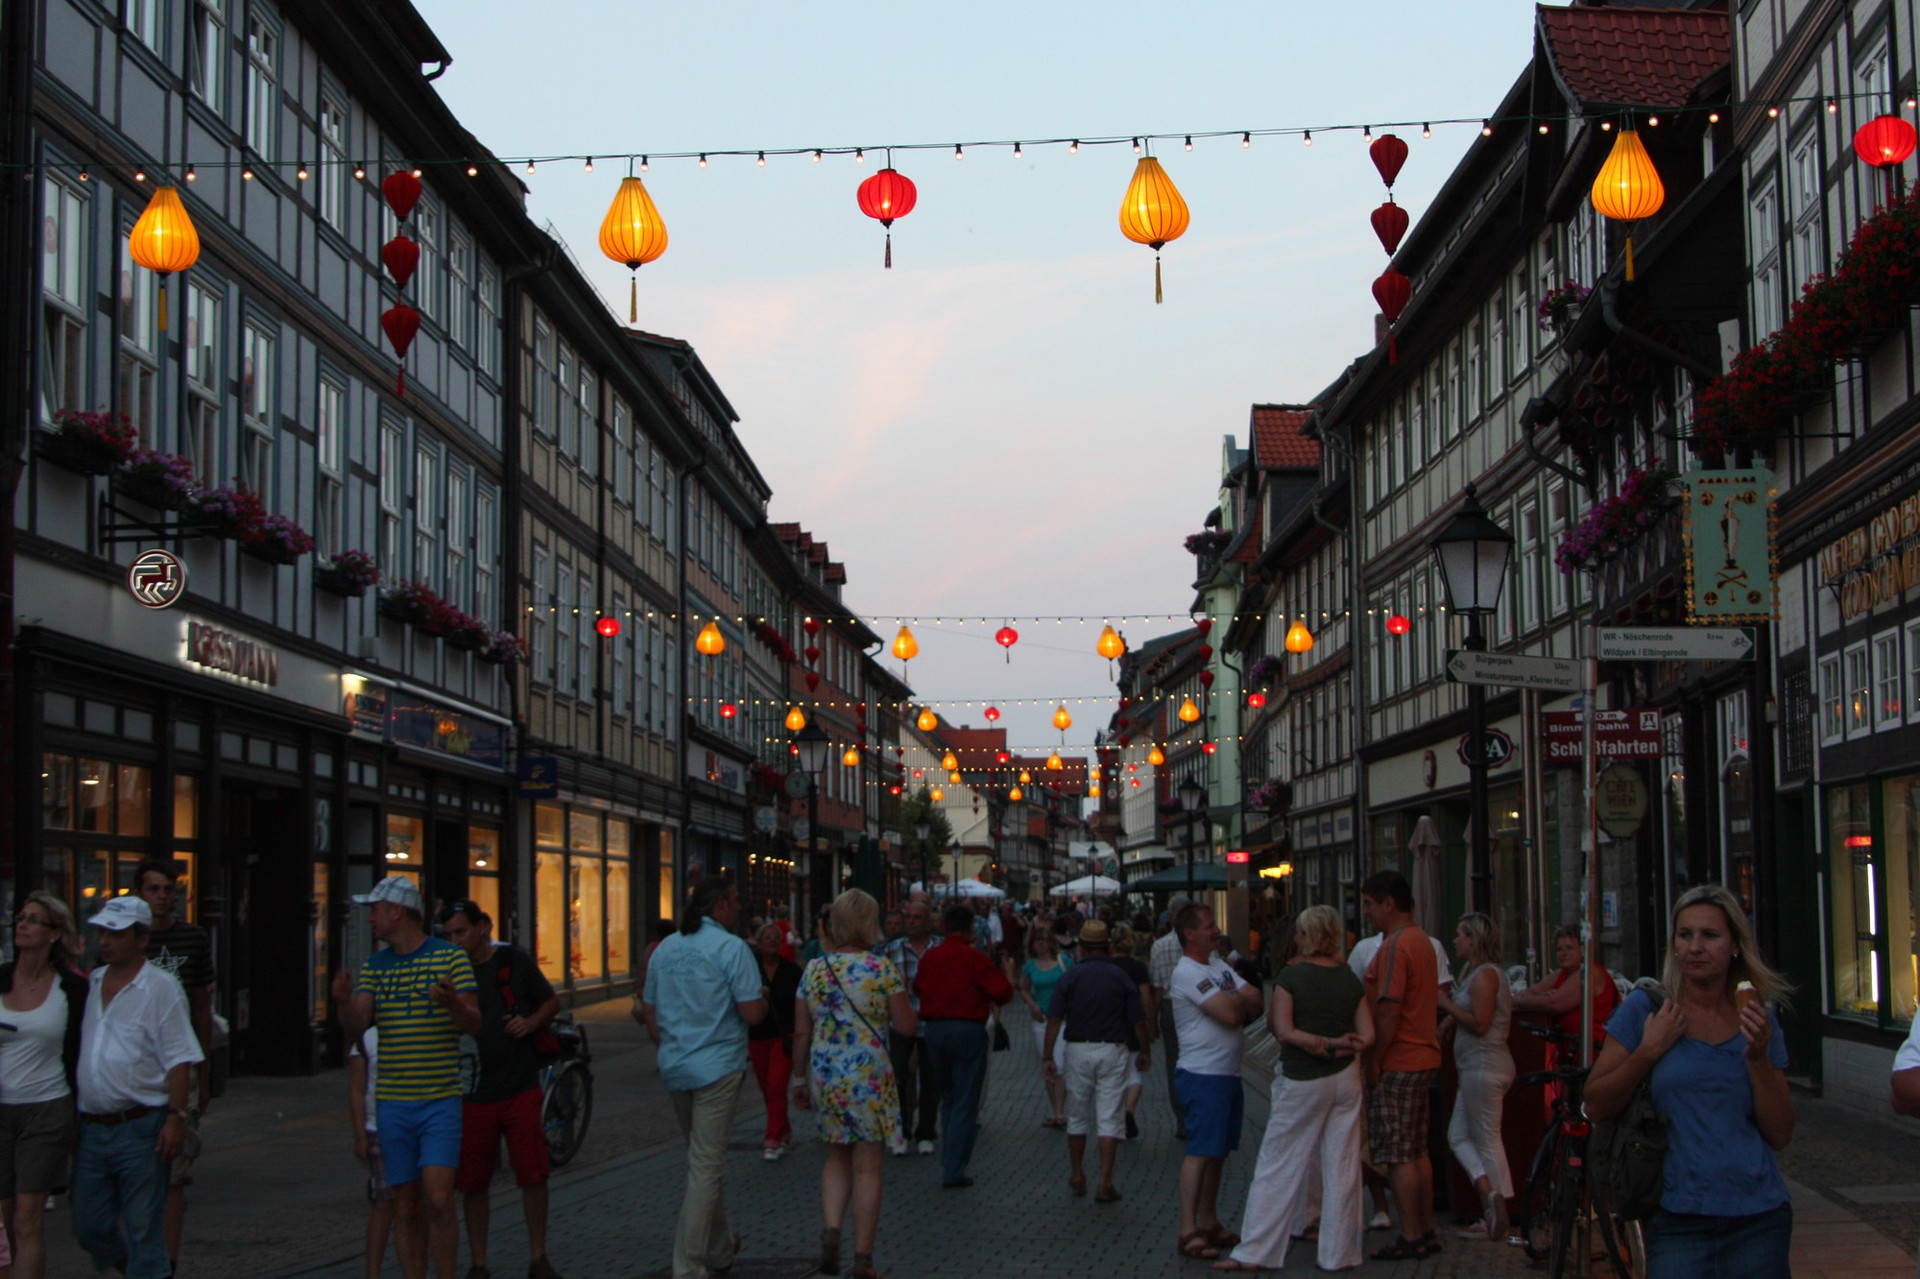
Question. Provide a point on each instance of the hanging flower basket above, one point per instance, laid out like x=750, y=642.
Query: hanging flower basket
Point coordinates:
x=275, y=539
x=1559, y=306
x=1267, y=668
x=348, y=574
x=163, y=481
x=87, y=443
x=1612, y=526
x=1273, y=796
x=506, y=649
x=1208, y=542
x=408, y=603
x=470, y=635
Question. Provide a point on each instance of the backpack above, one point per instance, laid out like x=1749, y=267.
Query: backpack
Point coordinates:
x=1627, y=1155
x=547, y=1048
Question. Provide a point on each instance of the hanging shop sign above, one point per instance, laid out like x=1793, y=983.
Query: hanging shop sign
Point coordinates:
x=1633, y=733
x=1875, y=562
x=157, y=579
x=1498, y=748
x=537, y=776
x=365, y=706
x=1731, y=565
x=1620, y=802
x=213, y=649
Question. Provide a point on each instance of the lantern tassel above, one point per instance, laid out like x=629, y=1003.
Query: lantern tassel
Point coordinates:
x=889, y=261
x=1629, y=257
x=633, y=298
x=163, y=304
x=400, y=382
x=1158, y=296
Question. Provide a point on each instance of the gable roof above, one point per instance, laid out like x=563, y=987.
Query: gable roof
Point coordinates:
x=1634, y=57
x=1279, y=439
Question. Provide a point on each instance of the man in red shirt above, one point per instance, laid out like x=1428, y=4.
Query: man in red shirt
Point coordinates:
x=957, y=987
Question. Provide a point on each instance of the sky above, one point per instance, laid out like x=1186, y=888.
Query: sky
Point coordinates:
x=1004, y=427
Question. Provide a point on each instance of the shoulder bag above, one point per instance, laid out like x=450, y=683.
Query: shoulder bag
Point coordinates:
x=1628, y=1153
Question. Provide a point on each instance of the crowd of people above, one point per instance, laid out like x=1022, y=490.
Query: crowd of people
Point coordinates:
x=893, y=1025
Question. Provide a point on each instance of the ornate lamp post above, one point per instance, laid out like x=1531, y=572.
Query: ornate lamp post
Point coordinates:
x=813, y=744
x=922, y=832
x=1193, y=800
x=1473, y=552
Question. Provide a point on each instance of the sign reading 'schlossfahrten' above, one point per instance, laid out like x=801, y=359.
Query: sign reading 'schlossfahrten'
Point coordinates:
x=1876, y=562
x=231, y=654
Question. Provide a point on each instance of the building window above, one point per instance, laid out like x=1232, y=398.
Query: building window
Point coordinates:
x=207, y=52
x=589, y=403
x=1913, y=671
x=459, y=291
x=588, y=685
x=426, y=515
x=486, y=549
x=1833, y=699
x=330, y=430
x=1855, y=906
x=618, y=463
x=200, y=428
x=427, y=277
x=622, y=666
x=1859, y=690
x=1531, y=544
x=564, y=621
x=263, y=85
x=393, y=494
x=1520, y=324
x=142, y=18
x=540, y=395
x=1474, y=381
x=539, y=599
x=63, y=302
x=459, y=521
x=1888, y=679
x=1767, y=276
x=1499, y=373
x=1804, y=187
x=486, y=300
x=1559, y=514
x=566, y=407
x=335, y=173
x=139, y=364
x=1899, y=861
x=256, y=412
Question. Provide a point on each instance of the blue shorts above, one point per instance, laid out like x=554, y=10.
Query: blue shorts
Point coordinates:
x=419, y=1134
x=1215, y=1106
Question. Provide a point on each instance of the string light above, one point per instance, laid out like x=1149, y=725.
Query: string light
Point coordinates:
x=1017, y=153
x=360, y=168
x=643, y=164
x=1833, y=108
x=1486, y=129
x=139, y=175
x=1073, y=148
x=473, y=170
x=1426, y=130
x=1246, y=140
x=86, y=176
x=1189, y=142
x=1136, y=146
x=301, y=172
x=703, y=159
x=529, y=169
x=191, y=175
x=1543, y=128
x=761, y=160
x=859, y=156
x=589, y=164
x=416, y=170
x=1308, y=139
x=816, y=155
x=1606, y=126
x=1713, y=117
x=1773, y=113
x=1653, y=122
x=958, y=154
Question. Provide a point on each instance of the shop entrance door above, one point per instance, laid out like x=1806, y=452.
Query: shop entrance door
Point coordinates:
x=265, y=846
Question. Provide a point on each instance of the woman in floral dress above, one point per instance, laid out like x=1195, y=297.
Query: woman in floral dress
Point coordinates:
x=841, y=1071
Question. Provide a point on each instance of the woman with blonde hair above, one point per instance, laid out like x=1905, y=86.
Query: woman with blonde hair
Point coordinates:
x=847, y=998
x=1318, y=1012
x=1480, y=1004
x=43, y=997
x=1044, y=968
x=1717, y=1063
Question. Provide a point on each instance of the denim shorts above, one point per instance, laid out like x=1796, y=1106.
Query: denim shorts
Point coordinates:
x=1682, y=1245
x=419, y=1134
x=1215, y=1106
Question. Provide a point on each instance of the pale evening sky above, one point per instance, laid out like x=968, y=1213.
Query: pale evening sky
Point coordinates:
x=1004, y=425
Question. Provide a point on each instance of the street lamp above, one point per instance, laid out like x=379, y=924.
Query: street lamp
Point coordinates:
x=1193, y=799
x=812, y=745
x=923, y=831
x=1473, y=552
x=957, y=854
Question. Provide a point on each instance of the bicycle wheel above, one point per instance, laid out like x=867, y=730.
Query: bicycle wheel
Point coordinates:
x=1534, y=1222
x=1564, y=1218
x=566, y=1111
x=1626, y=1247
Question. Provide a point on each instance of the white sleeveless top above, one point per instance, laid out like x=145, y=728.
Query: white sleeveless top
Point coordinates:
x=1488, y=1052
x=30, y=1065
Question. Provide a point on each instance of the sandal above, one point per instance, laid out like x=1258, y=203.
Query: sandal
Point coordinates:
x=1107, y=1195
x=1195, y=1244
x=863, y=1267
x=1401, y=1249
x=1429, y=1244
x=1238, y=1267
x=1310, y=1235
x=830, y=1250
x=1222, y=1238
x=1077, y=1186
x=1053, y=1123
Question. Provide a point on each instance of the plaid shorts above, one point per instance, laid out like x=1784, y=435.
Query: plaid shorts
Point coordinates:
x=1397, y=1111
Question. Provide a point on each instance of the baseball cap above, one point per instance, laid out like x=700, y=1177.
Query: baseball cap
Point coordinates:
x=397, y=889
x=121, y=913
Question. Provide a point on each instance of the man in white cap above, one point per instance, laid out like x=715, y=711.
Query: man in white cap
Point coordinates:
x=422, y=993
x=137, y=1042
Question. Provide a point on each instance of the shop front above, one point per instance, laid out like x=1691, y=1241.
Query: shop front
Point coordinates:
x=602, y=875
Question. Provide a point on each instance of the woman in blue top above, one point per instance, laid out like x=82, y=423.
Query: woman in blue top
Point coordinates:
x=1718, y=1065
x=1043, y=970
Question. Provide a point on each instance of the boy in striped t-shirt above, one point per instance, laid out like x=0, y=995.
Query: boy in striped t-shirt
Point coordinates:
x=421, y=990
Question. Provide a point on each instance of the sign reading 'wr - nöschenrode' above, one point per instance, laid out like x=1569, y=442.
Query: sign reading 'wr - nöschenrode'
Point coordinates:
x=1633, y=733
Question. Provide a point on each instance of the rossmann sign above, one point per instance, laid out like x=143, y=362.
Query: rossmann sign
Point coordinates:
x=1633, y=733
x=231, y=654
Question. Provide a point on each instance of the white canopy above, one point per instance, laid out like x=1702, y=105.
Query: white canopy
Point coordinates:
x=1087, y=886
x=963, y=888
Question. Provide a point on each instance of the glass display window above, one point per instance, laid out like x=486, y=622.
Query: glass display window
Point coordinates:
x=406, y=845
x=586, y=901
x=550, y=914
x=483, y=869
x=1852, y=881
x=1900, y=862
x=619, y=919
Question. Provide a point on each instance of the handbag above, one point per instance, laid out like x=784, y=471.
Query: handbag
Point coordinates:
x=546, y=1045
x=1000, y=1040
x=1627, y=1155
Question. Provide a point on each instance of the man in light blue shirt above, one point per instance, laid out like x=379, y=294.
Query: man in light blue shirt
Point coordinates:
x=703, y=990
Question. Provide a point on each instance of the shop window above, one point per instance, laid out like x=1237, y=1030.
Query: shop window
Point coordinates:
x=1855, y=922
x=550, y=914
x=1833, y=724
x=1859, y=690
x=1913, y=671
x=406, y=845
x=548, y=822
x=1887, y=681
x=669, y=909
x=186, y=901
x=483, y=869
x=587, y=907
x=186, y=806
x=133, y=800
x=619, y=901
x=1900, y=817
x=56, y=792
x=320, y=960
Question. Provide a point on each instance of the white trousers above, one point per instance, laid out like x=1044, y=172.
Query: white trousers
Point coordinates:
x=1474, y=1131
x=1059, y=1045
x=1097, y=1078
x=1313, y=1131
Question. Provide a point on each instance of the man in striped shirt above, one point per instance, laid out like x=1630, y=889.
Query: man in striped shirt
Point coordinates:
x=422, y=993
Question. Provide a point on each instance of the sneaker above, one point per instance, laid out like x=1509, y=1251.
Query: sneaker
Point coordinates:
x=925, y=1147
x=1380, y=1222
x=771, y=1153
x=1133, y=1127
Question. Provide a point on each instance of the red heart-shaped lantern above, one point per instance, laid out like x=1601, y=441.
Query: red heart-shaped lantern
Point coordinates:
x=401, y=257
x=1390, y=224
x=1206, y=679
x=1204, y=626
x=1388, y=153
x=813, y=654
x=400, y=324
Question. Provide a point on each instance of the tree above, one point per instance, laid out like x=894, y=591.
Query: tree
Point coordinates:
x=915, y=808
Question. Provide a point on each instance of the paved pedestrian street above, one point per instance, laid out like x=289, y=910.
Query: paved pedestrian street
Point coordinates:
x=615, y=1218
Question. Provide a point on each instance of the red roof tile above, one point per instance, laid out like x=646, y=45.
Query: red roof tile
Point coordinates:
x=1634, y=57
x=1277, y=441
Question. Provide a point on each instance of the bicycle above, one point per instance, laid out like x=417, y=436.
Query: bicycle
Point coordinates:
x=1559, y=1198
x=566, y=1103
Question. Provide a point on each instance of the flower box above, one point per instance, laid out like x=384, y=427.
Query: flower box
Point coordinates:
x=163, y=481
x=75, y=453
x=338, y=581
x=270, y=552
x=469, y=639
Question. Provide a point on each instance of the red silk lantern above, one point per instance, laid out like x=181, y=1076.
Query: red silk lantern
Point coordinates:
x=402, y=191
x=1256, y=699
x=1388, y=153
x=1203, y=626
x=1391, y=291
x=607, y=627
x=1206, y=679
x=1006, y=637
x=401, y=323
x=1884, y=141
x=728, y=710
x=1208, y=748
x=812, y=625
x=992, y=713
x=887, y=195
x=1390, y=224
x=1206, y=652
x=813, y=654
x=401, y=257
x=1002, y=757
x=1398, y=625
x=813, y=680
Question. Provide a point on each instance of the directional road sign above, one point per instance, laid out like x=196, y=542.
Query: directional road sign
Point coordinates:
x=1465, y=666
x=1677, y=643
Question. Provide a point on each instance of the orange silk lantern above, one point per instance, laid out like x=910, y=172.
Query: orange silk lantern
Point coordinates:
x=928, y=721
x=1014, y=795
x=1628, y=187
x=1189, y=713
x=633, y=232
x=796, y=719
x=936, y=795
x=164, y=241
x=1152, y=213
x=1055, y=762
x=1299, y=638
x=710, y=642
x=1156, y=757
x=1062, y=720
x=852, y=758
x=905, y=647
x=949, y=762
